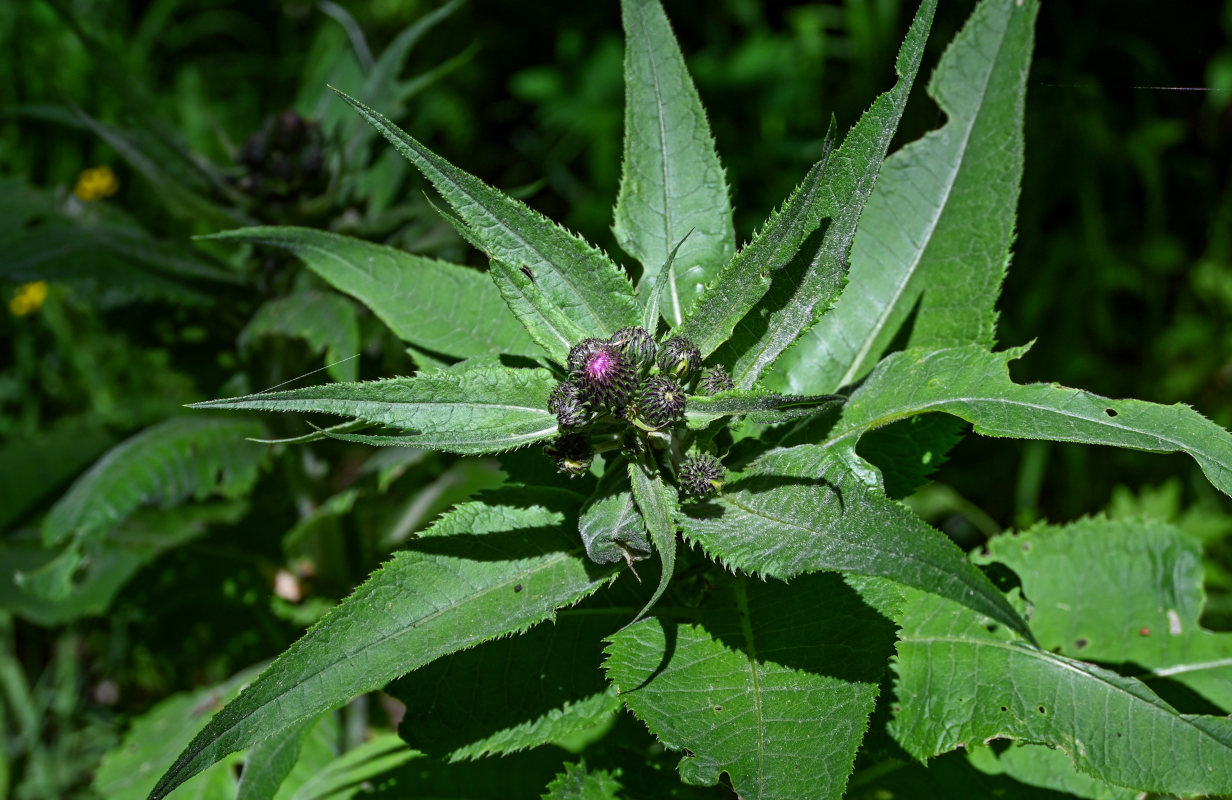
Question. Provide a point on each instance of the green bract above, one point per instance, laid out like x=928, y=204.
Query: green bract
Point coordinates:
x=723, y=399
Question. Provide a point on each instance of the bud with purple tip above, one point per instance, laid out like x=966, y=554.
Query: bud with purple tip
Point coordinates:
x=606, y=377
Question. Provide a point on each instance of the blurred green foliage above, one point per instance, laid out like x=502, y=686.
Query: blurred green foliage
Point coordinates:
x=1123, y=269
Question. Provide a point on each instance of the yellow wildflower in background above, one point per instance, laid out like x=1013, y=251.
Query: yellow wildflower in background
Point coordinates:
x=95, y=184
x=28, y=299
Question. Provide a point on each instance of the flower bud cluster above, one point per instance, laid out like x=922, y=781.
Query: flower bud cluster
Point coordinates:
x=629, y=393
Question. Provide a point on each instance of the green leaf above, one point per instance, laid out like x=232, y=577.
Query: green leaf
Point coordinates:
x=960, y=682
x=271, y=761
x=511, y=694
x=38, y=465
x=757, y=405
x=797, y=297
x=744, y=280
x=164, y=465
x=129, y=771
x=464, y=409
x=974, y=384
x=1153, y=569
x=572, y=281
x=432, y=304
x=808, y=508
x=97, y=572
x=610, y=524
x=325, y=321
x=935, y=237
x=672, y=181
x=660, y=510
x=579, y=783
x=1040, y=766
x=948, y=776
x=773, y=685
x=455, y=587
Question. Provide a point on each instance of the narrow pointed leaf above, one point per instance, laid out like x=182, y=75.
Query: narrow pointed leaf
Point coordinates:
x=974, y=384
x=657, y=502
x=271, y=761
x=164, y=465
x=759, y=406
x=773, y=685
x=807, y=508
x=456, y=587
x=799, y=295
x=1153, y=569
x=579, y=783
x=672, y=182
x=464, y=409
x=570, y=275
x=547, y=682
x=610, y=524
x=954, y=688
x=431, y=304
x=652, y=300
x=934, y=239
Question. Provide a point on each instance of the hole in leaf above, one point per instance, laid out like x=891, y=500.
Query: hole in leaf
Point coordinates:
x=1110, y=412
x=1080, y=643
x=1043, y=710
x=1003, y=708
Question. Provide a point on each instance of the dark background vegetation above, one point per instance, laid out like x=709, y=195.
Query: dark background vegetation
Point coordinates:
x=1122, y=271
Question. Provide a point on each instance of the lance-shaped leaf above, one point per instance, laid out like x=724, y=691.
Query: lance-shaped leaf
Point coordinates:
x=164, y=465
x=799, y=294
x=610, y=524
x=569, y=276
x=934, y=239
x=1155, y=573
x=434, y=305
x=579, y=783
x=959, y=682
x=271, y=761
x=512, y=694
x=465, y=409
x=322, y=319
x=808, y=508
x=974, y=384
x=672, y=182
x=482, y=571
x=766, y=408
x=660, y=509
x=773, y=685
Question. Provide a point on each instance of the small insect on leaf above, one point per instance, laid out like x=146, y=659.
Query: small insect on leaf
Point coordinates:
x=526, y=271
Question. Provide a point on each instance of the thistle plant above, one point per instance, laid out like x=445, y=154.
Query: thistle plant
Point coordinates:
x=725, y=401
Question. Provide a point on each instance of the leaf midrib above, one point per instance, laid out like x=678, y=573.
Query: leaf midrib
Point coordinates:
x=667, y=176
x=746, y=627
x=410, y=625
x=1052, y=659
x=889, y=307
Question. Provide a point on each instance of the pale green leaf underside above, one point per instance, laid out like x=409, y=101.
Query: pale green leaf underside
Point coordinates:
x=456, y=588
x=610, y=524
x=1038, y=765
x=324, y=320
x=974, y=384
x=1155, y=573
x=672, y=182
x=806, y=508
x=431, y=304
x=796, y=298
x=656, y=500
x=166, y=464
x=758, y=406
x=959, y=683
x=934, y=238
x=463, y=409
x=773, y=685
x=570, y=276
x=270, y=762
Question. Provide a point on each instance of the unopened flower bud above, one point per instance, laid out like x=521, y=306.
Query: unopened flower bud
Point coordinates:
x=581, y=351
x=714, y=380
x=572, y=454
x=565, y=402
x=701, y=475
x=680, y=357
x=661, y=402
x=636, y=344
x=607, y=379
